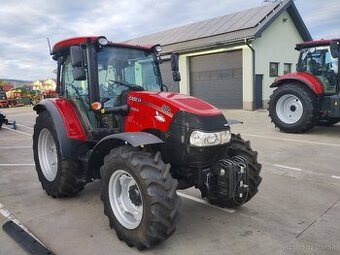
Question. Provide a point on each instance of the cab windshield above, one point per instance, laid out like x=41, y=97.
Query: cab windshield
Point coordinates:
x=319, y=62
x=122, y=68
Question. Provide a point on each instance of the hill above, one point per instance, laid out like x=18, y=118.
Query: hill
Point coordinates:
x=16, y=83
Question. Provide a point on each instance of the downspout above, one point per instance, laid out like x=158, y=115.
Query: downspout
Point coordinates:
x=253, y=70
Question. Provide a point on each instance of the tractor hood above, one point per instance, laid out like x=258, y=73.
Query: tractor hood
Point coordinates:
x=169, y=103
x=159, y=110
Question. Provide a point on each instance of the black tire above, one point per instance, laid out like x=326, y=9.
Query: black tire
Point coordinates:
x=2, y=119
x=327, y=122
x=65, y=182
x=239, y=147
x=309, y=108
x=157, y=191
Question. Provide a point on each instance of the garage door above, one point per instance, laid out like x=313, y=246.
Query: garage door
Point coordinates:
x=217, y=79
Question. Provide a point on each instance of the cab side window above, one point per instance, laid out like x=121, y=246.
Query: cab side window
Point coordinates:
x=78, y=93
x=72, y=88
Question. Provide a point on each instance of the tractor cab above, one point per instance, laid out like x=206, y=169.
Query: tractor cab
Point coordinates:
x=317, y=60
x=96, y=76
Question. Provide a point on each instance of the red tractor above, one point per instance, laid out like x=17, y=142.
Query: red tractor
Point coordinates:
x=114, y=120
x=3, y=99
x=311, y=95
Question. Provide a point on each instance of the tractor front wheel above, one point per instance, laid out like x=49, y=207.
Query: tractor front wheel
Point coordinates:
x=292, y=108
x=58, y=176
x=139, y=196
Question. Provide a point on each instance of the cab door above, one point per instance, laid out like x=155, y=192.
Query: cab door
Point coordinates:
x=77, y=92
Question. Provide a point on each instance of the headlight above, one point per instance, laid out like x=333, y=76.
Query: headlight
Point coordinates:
x=102, y=40
x=202, y=139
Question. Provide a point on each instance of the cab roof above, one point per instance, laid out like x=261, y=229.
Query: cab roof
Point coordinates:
x=315, y=43
x=67, y=43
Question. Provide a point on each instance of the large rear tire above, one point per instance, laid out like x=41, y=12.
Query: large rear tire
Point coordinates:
x=139, y=196
x=292, y=108
x=58, y=176
x=240, y=147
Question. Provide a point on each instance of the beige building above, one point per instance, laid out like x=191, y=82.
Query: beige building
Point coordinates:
x=48, y=84
x=230, y=61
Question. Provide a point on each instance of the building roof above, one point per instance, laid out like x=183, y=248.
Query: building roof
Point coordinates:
x=228, y=29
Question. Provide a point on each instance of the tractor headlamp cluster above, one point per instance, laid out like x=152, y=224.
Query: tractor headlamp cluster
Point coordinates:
x=202, y=139
x=157, y=48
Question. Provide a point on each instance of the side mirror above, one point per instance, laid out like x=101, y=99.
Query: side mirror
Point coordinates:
x=334, y=47
x=176, y=76
x=174, y=62
x=79, y=73
x=77, y=59
x=175, y=67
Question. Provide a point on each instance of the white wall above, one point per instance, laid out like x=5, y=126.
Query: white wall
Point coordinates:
x=276, y=44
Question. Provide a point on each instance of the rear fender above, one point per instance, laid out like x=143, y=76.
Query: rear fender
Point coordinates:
x=104, y=146
x=305, y=78
x=70, y=148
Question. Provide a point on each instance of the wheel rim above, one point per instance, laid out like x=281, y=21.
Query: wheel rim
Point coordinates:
x=47, y=152
x=125, y=199
x=289, y=109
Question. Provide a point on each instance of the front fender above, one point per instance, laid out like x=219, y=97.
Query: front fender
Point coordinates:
x=105, y=145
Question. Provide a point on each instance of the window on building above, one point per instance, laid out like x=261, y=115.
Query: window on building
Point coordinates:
x=287, y=68
x=273, y=69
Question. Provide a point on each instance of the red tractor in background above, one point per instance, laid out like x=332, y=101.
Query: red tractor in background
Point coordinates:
x=311, y=95
x=114, y=120
x=3, y=99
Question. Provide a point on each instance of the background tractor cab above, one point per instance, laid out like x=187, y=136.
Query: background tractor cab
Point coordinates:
x=310, y=96
x=115, y=121
x=319, y=62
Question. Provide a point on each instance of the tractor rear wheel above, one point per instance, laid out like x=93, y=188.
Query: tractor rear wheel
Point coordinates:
x=240, y=147
x=139, y=196
x=292, y=108
x=58, y=176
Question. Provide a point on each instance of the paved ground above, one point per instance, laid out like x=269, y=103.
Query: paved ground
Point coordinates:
x=297, y=209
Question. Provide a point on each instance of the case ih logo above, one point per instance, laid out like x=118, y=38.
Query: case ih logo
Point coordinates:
x=135, y=99
x=166, y=108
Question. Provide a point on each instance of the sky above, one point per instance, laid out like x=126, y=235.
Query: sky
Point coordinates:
x=25, y=25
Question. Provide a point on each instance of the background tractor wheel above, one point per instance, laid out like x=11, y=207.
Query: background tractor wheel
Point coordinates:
x=292, y=108
x=2, y=119
x=139, y=196
x=239, y=147
x=58, y=177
